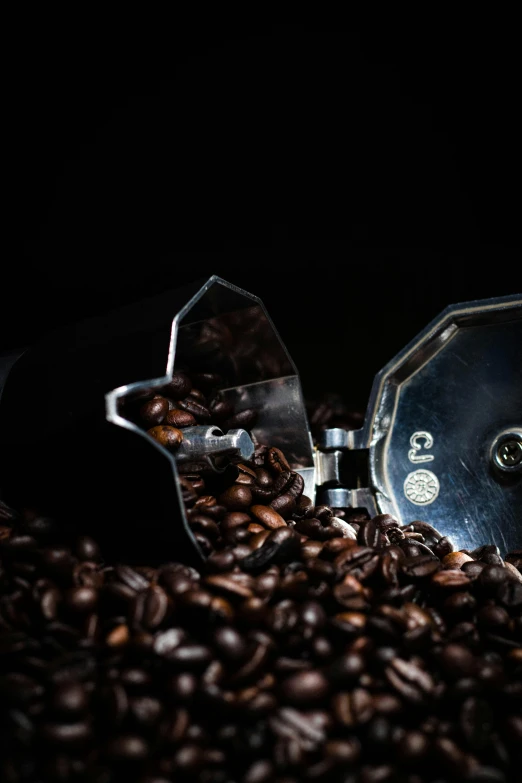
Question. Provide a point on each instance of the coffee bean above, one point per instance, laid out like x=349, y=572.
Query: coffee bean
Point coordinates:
x=178, y=387
x=347, y=668
x=236, y=498
x=411, y=682
x=476, y=722
x=81, y=599
x=284, y=505
x=492, y=617
x=66, y=734
x=289, y=634
x=179, y=418
x=243, y=420
x=304, y=688
x=491, y=577
x=169, y=437
x=456, y=560
x=420, y=567
x=230, y=643
x=230, y=585
x=268, y=517
x=509, y=594
x=155, y=606
x=119, y=636
x=154, y=411
x=450, y=579
x=353, y=708
x=70, y=699
x=276, y=547
x=128, y=748
x=458, y=661
x=369, y=534
x=190, y=656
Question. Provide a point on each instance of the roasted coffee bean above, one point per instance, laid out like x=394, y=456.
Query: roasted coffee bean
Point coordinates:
x=353, y=708
x=66, y=735
x=70, y=699
x=369, y=534
x=243, y=420
x=267, y=516
x=347, y=669
x=236, y=498
x=179, y=418
x=324, y=646
x=87, y=548
x=155, y=606
x=231, y=645
x=308, y=687
x=491, y=577
x=451, y=580
x=81, y=599
x=458, y=661
x=197, y=410
x=284, y=505
x=420, y=567
x=178, y=387
x=154, y=411
x=411, y=682
x=277, y=547
x=169, y=437
x=509, y=594
x=129, y=748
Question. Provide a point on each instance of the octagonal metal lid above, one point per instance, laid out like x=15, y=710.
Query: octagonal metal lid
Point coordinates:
x=438, y=421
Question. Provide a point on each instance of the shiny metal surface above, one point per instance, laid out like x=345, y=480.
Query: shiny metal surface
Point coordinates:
x=328, y=467
x=436, y=416
x=337, y=438
x=209, y=442
x=506, y=452
x=226, y=330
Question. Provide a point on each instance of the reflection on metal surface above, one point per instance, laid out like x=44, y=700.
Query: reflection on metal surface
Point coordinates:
x=209, y=443
x=458, y=389
x=227, y=331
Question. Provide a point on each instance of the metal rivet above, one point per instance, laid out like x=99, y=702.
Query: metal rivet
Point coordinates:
x=510, y=453
x=507, y=452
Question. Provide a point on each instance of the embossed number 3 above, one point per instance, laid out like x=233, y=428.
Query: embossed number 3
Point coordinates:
x=413, y=454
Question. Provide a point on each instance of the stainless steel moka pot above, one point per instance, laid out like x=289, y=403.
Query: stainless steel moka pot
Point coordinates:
x=441, y=441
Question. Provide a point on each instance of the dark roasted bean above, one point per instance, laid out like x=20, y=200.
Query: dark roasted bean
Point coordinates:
x=347, y=669
x=284, y=504
x=244, y=420
x=81, y=599
x=128, y=748
x=420, y=567
x=178, y=387
x=66, y=734
x=155, y=606
x=267, y=516
x=305, y=688
x=230, y=643
x=369, y=534
x=236, y=498
x=169, y=437
x=458, y=661
x=154, y=411
x=179, y=418
x=410, y=681
x=313, y=644
x=353, y=708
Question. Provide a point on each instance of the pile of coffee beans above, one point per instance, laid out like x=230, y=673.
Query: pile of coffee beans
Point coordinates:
x=313, y=644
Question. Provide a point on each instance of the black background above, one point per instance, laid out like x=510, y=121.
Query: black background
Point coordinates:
x=357, y=178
